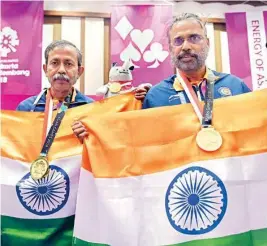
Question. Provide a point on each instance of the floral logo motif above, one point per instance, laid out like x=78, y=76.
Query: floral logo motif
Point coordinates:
x=8, y=41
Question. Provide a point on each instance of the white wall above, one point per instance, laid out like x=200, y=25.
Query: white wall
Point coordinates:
x=94, y=55
x=215, y=10
x=47, y=39
x=90, y=6
x=71, y=31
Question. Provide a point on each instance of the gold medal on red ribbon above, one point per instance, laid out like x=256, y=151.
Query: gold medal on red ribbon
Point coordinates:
x=209, y=139
x=115, y=87
x=39, y=168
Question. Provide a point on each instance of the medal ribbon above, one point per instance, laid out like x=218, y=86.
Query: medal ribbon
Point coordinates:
x=208, y=107
x=204, y=115
x=55, y=126
x=191, y=95
x=48, y=115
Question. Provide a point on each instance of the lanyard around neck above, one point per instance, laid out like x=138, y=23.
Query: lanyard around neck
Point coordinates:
x=49, y=137
x=198, y=108
x=204, y=114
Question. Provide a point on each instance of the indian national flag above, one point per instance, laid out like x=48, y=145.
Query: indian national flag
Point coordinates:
x=145, y=182
x=41, y=213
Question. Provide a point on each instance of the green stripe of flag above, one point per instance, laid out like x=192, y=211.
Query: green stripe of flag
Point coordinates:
x=79, y=242
x=36, y=232
x=251, y=238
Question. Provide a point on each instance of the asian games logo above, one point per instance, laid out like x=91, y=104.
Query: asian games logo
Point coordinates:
x=8, y=41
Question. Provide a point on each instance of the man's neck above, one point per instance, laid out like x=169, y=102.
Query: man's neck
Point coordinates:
x=59, y=94
x=195, y=75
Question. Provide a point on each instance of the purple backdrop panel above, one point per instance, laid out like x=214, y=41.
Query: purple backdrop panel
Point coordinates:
x=139, y=33
x=11, y=102
x=236, y=27
x=21, y=50
x=265, y=24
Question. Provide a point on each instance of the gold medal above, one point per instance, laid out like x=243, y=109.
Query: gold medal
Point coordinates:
x=209, y=139
x=177, y=85
x=115, y=87
x=39, y=168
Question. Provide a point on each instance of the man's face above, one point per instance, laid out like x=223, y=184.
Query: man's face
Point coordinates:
x=62, y=68
x=189, y=45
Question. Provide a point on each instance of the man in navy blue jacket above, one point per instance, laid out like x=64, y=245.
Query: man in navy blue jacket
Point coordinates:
x=63, y=67
x=189, y=48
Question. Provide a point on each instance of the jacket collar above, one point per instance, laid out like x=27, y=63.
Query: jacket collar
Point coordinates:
x=217, y=74
x=78, y=97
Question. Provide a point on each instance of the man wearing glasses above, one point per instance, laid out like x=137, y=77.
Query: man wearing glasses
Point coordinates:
x=189, y=46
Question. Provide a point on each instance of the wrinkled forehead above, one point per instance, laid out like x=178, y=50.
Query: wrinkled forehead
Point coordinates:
x=63, y=53
x=187, y=27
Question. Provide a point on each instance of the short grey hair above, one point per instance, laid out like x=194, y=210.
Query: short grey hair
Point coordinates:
x=62, y=44
x=182, y=17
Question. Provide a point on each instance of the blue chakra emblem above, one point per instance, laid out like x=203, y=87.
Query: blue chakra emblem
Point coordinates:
x=47, y=195
x=196, y=201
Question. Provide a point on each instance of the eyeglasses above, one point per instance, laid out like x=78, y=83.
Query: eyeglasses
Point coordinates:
x=193, y=39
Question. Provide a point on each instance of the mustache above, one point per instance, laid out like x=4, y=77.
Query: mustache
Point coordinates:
x=61, y=77
x=187, y=53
